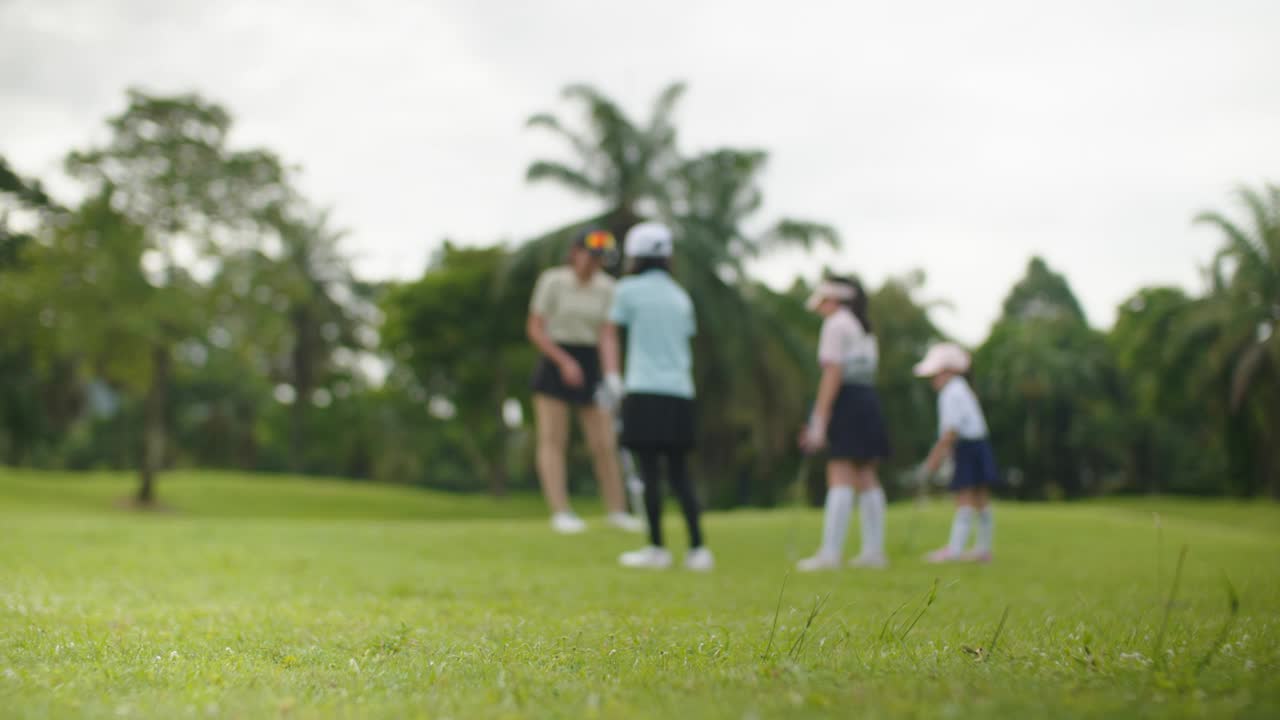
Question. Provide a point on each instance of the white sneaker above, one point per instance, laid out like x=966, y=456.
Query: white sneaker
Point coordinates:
x=566, y=523
x=818, y=563
x=876, y=561
x=943, y=555
x=648, y=558
x=700, y=560
x=624, y=521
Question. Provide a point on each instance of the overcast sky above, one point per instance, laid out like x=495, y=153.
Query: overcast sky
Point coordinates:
x=956, y=137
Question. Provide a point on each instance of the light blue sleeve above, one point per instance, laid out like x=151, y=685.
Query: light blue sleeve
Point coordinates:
x=622, y=310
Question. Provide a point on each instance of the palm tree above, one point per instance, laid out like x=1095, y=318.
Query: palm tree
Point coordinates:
x=636, y=171
x=622, y=163
x=1236, y=326
x=618, y=160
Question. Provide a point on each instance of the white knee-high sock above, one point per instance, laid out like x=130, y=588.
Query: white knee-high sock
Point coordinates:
x=960, y=527
x=835, y=521
x=871, y=508
x=986, y=530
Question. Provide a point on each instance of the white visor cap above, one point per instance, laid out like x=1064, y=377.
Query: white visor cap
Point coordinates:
x=830, y=290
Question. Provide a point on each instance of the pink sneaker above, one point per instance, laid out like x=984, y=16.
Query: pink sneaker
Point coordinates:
x=942, y=555
x=977, y=556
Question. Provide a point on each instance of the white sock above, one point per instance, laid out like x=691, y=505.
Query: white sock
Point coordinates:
x=960, y=527
x=835, y=522
x=871, y=506
x=986, y=530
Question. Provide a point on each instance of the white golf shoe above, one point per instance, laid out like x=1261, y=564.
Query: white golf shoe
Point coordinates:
x=566, y=523
x=627, y=522
x=700, y=560
x=647, y=558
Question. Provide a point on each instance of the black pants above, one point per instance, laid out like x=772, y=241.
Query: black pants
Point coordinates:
x=678, y=476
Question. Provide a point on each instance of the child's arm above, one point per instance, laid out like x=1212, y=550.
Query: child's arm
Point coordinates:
x=941, y=450
x=828, y=388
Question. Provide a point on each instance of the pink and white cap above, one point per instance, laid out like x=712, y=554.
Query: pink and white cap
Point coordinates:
x=942, y=357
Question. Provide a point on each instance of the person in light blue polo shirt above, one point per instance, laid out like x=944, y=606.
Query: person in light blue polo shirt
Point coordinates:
x=657, y=412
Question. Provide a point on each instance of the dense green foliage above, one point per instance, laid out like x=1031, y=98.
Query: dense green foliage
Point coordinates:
x=192, y=309
x=266, y=597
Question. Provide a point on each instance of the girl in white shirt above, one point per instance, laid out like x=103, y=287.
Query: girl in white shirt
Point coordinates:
x=962, y=434
x=848, y=422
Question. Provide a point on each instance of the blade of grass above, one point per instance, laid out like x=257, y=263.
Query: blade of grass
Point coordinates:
x=1158, y=652
x=928, y=602
x=1233, y=610
x=776, y=611
x=798, y=645
x=884, y=631
x=995, y=638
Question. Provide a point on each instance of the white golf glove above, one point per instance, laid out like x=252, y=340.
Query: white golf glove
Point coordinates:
x=611, y=391
x=922, y=474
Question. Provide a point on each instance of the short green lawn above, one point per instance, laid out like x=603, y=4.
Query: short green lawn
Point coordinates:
x=266, y=597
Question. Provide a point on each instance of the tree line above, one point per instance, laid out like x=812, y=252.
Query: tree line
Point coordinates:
x=193, y=308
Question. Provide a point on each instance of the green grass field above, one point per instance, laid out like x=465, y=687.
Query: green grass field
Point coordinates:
x=262, y=597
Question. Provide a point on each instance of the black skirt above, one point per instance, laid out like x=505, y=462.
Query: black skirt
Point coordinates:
x=547, y=380
x=857, y=429
x=657, y=422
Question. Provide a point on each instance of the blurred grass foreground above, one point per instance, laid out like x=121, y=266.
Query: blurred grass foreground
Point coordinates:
x=261, y=596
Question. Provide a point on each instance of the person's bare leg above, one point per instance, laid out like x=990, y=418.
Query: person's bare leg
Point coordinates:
x=597, y=426
x=552, y=419
x=841, y=473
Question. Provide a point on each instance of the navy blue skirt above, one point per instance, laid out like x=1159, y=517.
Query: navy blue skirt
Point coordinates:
x=975, y=463
x=857, y=429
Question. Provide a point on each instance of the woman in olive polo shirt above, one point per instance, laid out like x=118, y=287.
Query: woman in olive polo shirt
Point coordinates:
x=570, y=306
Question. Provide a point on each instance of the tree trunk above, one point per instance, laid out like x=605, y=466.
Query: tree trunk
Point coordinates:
x=303, y=381
x=153, y=434
x=247, y=442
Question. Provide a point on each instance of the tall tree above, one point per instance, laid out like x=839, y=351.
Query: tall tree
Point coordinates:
x=616, y=159
x=1233, y=332
x=169, y=171
x=298, y=303
x=1174, y=429
x=1042, y=293
x=1043, y=376
x=40, y=394
x=466, y=348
